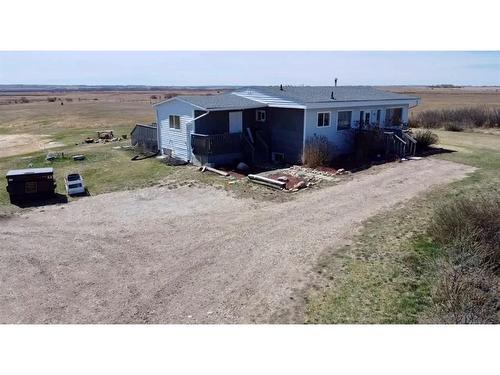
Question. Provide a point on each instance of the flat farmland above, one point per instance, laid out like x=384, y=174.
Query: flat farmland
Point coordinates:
x=447, y=98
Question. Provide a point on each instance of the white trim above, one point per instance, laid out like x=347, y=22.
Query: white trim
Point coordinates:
x=158, y=131
x=180, y=125
x=329, y=119
x=200, y=116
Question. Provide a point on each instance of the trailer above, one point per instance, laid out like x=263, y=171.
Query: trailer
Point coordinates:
x=30, y=184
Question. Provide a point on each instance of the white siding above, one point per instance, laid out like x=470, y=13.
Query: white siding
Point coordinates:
x=177, y=140
x=341, y=139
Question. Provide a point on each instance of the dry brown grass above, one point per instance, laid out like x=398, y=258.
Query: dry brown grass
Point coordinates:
x=468, y=229
x=318, y=151
x=443, y=98
x=82, y=114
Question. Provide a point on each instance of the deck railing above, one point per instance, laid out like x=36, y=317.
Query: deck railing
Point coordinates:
x=216, y=144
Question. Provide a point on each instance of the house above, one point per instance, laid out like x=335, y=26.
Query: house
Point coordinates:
x=273, y=123
x=145, y=136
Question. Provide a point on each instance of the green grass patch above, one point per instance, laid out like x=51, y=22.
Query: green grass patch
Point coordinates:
x=104, y=169
x=389, y=272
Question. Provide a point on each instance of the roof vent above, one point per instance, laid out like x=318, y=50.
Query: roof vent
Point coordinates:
x=332, y=97
x=281, y=87
x=336, y=79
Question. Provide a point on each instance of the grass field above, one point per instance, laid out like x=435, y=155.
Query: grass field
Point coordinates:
x=447, y=98
x=38, y=122
x=384, y=276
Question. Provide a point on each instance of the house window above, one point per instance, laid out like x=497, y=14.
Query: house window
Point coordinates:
x=344, y=120
x=174, y=122
x=260, y=115
x=378, y=116
x=323, y=119
x=393, y=116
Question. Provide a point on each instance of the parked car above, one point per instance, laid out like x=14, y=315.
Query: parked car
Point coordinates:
x=74, y=184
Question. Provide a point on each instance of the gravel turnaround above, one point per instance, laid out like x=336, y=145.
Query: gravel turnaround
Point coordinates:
x=189, y=255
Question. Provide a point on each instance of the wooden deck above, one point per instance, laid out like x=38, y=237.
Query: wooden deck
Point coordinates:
x=216, y=144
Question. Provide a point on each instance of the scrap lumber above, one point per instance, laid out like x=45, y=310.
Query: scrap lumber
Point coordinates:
x=267, y=181
x=222, y=173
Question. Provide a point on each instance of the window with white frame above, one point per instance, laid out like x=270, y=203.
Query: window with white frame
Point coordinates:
x=323, y=119
x=260, y=115
x=344, y=120
x=174, y=121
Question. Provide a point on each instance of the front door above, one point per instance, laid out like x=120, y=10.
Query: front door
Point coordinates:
x=235, y=122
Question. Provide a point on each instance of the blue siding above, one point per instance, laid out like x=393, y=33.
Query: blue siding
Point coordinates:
x=286, y=126
x=213, y=123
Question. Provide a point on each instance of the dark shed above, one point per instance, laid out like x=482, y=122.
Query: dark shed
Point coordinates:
x=145, y=136
x=32, y=183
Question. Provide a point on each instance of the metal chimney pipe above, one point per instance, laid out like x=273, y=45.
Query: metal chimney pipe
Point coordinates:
x=336, y=82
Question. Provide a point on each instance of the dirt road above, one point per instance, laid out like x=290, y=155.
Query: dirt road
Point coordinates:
x=188, y=255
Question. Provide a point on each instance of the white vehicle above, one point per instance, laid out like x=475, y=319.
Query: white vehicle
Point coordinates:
x=74, y=184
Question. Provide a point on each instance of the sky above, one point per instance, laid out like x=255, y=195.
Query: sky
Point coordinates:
x=205, y=68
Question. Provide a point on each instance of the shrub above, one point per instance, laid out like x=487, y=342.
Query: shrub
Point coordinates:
x=414, y=122
x=468, y=230
x=466, y=291
x=318, y=151
x=495, y=118
x=468, y=116
x=453, y=127
x=478, y=217
x=24, y=100
x=425, y=139
x=51, y=99
x=367, y=144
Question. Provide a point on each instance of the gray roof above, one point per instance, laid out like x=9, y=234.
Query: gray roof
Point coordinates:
x=152, y=125
x=220, y=101
x=322, y=94
x=19, y=172
x=302, y=95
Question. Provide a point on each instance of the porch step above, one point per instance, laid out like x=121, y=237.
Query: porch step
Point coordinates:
x=402, y=144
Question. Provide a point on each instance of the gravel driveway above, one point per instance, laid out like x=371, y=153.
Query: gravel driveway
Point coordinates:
x=188, y=255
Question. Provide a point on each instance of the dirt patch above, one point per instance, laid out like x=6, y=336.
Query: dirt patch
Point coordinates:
x=291, y=180
x=189, y=255
x=19, y=144
x=329, y=170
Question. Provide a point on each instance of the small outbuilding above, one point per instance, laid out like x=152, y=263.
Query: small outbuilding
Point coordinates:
x=31, y=183
x=145, y=136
